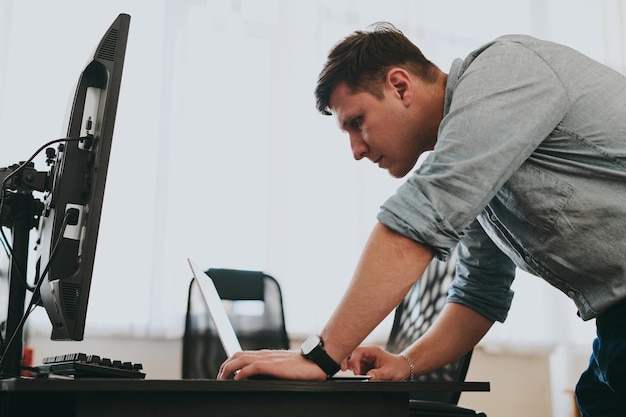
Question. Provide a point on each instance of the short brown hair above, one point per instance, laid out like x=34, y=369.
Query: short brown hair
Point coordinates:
x=363, y=59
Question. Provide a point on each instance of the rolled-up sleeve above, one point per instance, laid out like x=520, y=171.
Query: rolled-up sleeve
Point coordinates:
x=483, y=276
x=437, y=234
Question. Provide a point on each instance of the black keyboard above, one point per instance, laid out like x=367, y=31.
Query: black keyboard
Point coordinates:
x=81, y=365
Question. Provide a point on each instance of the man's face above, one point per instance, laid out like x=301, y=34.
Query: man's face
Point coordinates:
x=392, y=132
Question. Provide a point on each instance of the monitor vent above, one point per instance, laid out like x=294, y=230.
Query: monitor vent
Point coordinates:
x=69, y=295
x=108, y=46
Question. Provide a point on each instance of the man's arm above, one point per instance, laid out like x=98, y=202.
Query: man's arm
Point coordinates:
x=389, y=266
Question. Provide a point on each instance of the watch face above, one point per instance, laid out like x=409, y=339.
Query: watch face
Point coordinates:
x=311, y=343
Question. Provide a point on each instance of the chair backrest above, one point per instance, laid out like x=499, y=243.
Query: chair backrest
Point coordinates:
x=254, y=304
x=414, y=316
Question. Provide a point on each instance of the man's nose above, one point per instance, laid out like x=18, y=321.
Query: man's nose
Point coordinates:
x=359, y=147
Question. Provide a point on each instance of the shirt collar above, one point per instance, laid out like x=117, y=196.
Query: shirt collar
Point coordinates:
x=453, y=79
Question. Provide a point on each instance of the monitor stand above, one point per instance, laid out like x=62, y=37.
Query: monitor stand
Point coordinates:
x=20, y=211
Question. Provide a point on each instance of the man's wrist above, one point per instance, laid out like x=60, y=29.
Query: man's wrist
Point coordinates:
x=411, y=376
x=313, y=350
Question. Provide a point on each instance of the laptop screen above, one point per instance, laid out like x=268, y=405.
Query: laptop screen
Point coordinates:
x=216, y=309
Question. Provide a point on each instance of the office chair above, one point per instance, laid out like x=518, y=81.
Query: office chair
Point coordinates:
x=254, y=304
x=413, y=316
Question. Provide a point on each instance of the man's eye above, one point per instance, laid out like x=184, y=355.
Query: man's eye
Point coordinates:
x=356, y=123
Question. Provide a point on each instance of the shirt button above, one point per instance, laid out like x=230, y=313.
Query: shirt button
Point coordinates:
x=571, y=294
x=527, y=259
x=494, y=218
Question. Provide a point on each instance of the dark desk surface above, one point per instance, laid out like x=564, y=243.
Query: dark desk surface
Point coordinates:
x=88, y=384
x=123, y=397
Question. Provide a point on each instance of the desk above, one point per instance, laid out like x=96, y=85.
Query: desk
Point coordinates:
x=191, y=398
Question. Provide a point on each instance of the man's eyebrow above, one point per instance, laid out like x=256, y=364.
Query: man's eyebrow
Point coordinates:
x=348, y=122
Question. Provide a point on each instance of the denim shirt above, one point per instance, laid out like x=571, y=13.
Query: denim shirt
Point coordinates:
x=529, y=170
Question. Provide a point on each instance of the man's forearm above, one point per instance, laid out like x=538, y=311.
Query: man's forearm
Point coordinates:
x=456, y=331
x=389, y=266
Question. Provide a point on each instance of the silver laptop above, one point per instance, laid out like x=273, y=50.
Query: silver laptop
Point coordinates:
x=223, y=325
x=216, y=309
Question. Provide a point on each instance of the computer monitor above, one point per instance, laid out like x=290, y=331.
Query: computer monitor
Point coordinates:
x=73, y=195
x=78, y=177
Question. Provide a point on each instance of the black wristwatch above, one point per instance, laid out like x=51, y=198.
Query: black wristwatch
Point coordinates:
x=313, y=350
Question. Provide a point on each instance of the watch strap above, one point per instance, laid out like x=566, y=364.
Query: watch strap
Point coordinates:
x=321, y=359
x=319, y=356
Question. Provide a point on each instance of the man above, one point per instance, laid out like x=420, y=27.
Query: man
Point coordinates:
x=528, y=169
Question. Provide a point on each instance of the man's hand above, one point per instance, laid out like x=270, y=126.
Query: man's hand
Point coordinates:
x=282, y=364
x=378, y=363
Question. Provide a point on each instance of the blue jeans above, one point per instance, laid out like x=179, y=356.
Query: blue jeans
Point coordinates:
x=601, y=390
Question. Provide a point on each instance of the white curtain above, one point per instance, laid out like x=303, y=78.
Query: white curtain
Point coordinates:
x=220, y=155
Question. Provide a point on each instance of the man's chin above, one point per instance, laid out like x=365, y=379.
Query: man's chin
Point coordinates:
x=397, y=174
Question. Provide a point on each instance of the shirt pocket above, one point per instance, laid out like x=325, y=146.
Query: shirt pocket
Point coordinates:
x=534, y=200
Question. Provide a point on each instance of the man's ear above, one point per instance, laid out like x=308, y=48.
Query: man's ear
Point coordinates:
x=400, y=82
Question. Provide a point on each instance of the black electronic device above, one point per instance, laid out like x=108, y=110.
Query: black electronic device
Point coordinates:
x=68, y=218
x=81, y=365
x=313, y=350
x=77, y=186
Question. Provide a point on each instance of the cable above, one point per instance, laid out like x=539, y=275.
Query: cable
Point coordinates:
x=33, y=302
x=29, y=160
x=3, y=241
x=9, y=251
x=6, y=244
